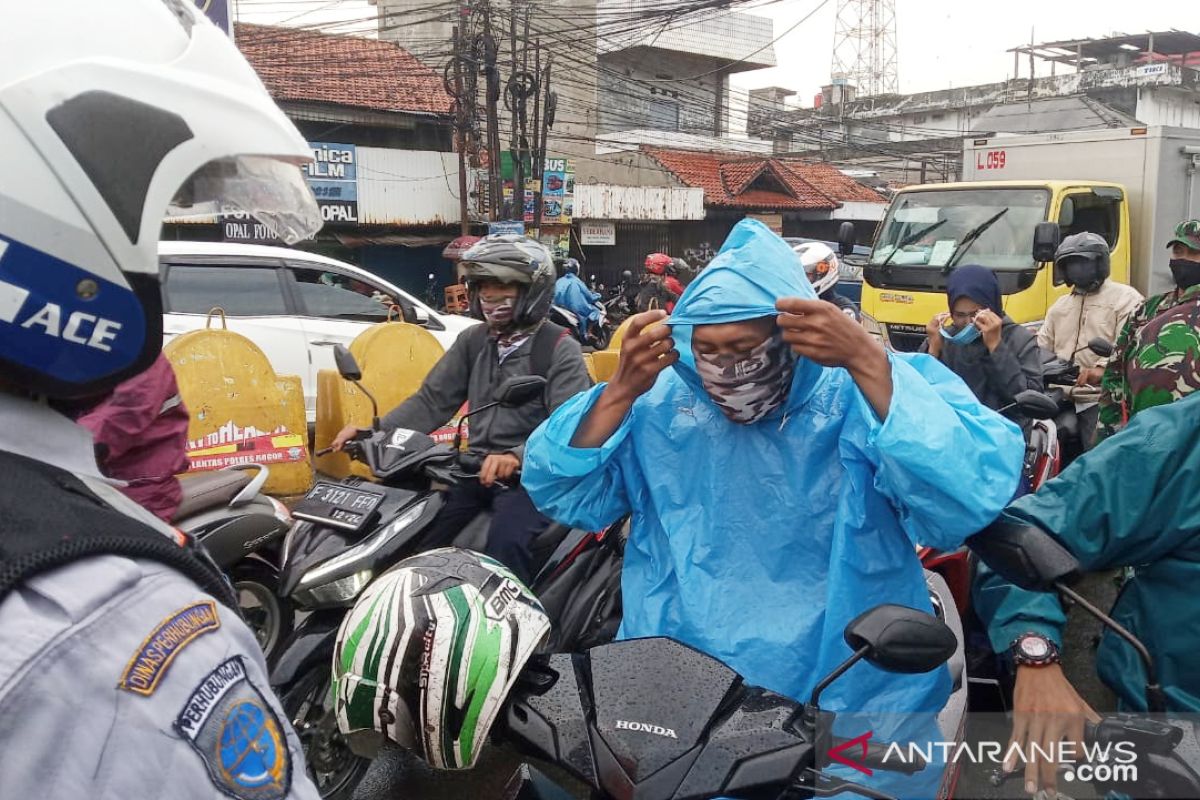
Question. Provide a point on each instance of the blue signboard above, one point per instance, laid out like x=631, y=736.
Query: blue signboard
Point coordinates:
x=218, y=12
x=505, y=227
x=333, y=176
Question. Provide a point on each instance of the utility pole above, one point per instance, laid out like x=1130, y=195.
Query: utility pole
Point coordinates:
x=461, y=121
x=492, y=74
x=510, y=99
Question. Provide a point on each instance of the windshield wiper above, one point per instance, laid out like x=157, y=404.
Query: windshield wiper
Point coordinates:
x=970, y=239
x=909, y=240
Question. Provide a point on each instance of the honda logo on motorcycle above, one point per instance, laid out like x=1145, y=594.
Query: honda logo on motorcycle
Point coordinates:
x=644, y=727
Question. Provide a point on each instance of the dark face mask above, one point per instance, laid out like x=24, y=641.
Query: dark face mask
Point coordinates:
x=1186, y=272
x=1082, y=274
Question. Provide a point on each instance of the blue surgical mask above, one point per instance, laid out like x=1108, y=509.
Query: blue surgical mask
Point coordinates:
x=968, y=334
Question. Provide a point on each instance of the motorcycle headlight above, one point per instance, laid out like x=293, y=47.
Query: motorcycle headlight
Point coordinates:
x=339, y=591
x=363, y=552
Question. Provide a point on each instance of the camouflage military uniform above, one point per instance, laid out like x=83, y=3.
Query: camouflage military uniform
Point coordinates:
x=1157, y=359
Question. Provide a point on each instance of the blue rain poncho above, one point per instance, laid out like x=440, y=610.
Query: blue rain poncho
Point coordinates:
x=571, y=293
x=758, y=543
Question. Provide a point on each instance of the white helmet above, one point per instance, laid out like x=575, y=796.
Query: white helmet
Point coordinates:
x=109, y=112
x=820, y=264
x=429, y=653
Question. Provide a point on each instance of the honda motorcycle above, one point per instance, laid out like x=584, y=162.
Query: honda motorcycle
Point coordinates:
x=241, y=529
x=654, y=719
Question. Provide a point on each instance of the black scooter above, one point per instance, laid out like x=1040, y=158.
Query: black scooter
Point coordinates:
x=241, y=529
x=1168, y=752
x=349, y=532
x=656, y=720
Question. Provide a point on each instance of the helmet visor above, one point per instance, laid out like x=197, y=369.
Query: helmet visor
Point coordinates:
x=273, y=191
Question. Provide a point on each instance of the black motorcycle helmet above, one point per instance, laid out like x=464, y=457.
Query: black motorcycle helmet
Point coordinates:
x=517, y=260
x=1082, y=261
x=627, y=276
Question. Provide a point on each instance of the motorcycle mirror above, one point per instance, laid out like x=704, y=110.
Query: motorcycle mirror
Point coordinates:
x=901, y=639
x=1046, y=238
x=520, y=389
x=1101, y=347
x=1023, y=555
x=347, y=367
x=1036, y=405
x=846, y=238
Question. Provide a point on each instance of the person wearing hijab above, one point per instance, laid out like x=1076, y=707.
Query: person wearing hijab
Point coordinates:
x=996, y=357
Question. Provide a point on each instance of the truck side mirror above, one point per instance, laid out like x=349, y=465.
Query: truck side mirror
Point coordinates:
x=846, y=238
x=1046, y=238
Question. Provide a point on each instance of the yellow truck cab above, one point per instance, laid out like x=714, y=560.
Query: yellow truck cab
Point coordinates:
x=1134, y=185
x=924, y=237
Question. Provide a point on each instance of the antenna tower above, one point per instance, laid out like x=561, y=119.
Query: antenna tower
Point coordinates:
x=864, y=46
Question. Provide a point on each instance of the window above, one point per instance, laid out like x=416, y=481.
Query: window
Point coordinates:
x=241, y=291
x=1098, y=211
x=663, y=115
x=336, y=295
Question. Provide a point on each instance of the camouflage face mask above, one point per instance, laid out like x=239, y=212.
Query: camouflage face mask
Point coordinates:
x=749, y=386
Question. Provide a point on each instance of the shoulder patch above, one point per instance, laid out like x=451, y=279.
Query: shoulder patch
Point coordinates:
x=237, y=734
x=151, y=661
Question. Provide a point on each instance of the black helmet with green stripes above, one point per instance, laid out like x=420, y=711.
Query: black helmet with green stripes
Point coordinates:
x=430, y=651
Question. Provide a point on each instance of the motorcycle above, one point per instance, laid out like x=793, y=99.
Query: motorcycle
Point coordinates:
x=599, y=332
x=1168, y=750
x=351, y=531
x=619, y=721
x=1060, y=373
x=241, y=530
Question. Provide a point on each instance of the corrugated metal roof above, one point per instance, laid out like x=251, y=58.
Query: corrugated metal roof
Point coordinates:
x=1050, y=115
x=407, y=187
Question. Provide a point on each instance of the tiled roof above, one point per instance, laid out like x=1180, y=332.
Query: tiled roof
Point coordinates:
x=740, y=181
x=303, y=65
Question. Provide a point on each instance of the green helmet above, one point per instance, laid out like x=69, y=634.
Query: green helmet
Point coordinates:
x=429, y=652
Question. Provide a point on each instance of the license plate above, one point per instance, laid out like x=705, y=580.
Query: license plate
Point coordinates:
x=345, y=507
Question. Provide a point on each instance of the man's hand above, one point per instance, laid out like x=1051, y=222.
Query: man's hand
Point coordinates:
x=498, y=467
x=934, y=333
x=820, y=332
x=989, y=325
x=1046, y=711
x=344, y=435
x=644, y=354
x=1090, y=377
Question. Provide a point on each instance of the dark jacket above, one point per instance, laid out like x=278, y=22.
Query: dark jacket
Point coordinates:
x=996, y=378
x=454, y=379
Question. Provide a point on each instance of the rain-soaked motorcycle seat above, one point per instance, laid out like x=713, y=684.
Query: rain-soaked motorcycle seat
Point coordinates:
x=205, y=490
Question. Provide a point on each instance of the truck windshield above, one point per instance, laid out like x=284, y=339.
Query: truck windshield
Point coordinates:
x=1005, y=244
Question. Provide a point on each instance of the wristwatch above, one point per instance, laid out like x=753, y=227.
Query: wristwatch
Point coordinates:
x=1034, y=650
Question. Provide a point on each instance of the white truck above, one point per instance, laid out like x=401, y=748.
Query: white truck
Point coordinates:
x=1130, y=185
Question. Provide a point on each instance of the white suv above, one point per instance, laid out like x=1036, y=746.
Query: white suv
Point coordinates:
x=294, y=305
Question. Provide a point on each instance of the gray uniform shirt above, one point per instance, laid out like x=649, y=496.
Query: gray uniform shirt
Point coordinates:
x=120, y=678
x=455, y=379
